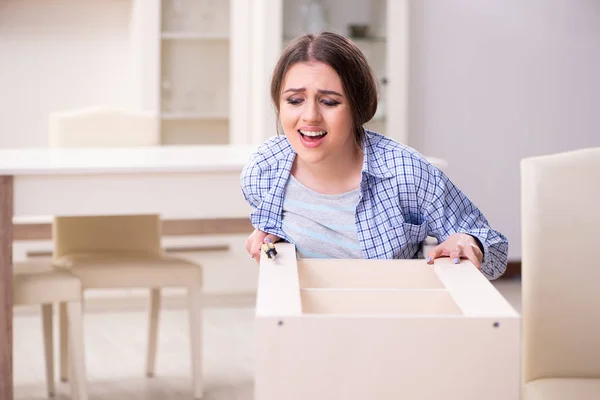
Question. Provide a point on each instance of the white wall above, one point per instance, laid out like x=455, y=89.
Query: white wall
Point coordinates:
x=494, y=81
x=61, y=54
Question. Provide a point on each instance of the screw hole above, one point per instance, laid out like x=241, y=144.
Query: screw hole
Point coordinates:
x=280, y=323
x=496, y=324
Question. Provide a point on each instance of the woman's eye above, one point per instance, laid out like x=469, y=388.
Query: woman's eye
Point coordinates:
x=294, y=101
x=330, y=103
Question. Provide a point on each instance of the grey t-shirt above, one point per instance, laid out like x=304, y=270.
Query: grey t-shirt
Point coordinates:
x=321, y=225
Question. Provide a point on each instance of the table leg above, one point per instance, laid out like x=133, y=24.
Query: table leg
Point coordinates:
x=6, y=294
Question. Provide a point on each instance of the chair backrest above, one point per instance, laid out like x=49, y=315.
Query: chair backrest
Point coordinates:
x=560, y=218
x=122, y=234
x=103, y=127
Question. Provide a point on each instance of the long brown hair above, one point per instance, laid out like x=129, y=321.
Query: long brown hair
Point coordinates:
x=341, y=54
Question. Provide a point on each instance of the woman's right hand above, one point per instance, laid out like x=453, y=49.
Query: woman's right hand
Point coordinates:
x=255, y=242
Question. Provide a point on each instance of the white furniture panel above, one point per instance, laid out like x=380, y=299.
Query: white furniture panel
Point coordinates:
x=382, y=329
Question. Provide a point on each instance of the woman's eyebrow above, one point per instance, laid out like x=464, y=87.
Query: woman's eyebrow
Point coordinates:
x=332, y=92
x=322, y=91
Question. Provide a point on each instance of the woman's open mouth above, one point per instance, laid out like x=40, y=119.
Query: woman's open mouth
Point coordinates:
x=311, y=138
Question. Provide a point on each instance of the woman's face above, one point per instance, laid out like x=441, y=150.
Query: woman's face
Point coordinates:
x=315, y=113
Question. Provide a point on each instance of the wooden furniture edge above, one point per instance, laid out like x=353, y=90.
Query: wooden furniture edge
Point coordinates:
x=6, y=293
x=278, y=293
x=475, y=295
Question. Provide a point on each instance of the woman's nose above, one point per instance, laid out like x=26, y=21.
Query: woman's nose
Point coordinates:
x=311, y=112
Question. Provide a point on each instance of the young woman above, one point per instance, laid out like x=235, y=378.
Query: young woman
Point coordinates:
x=336, y=190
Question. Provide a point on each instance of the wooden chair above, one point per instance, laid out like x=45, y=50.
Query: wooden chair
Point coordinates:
x=36, y=284
x=115, y=252
x=560, y=273
x=107, y=252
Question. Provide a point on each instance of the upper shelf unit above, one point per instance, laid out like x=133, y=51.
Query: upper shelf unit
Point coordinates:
x=194, y=71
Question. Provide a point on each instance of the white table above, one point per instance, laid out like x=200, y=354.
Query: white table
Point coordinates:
x=176, y=182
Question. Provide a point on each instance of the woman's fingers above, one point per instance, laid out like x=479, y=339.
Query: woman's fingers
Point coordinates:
x=255, y=252
x=253, y=243
x=473, y=254
x=470, y=255
x=437, y=252
x=256, y=246
x=248, y=245
x=271, y=238
x=457, y=252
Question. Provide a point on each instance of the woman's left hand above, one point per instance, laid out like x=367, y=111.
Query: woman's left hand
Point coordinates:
x=457, y=246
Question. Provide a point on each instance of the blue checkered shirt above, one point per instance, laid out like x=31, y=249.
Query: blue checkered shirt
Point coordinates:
x=404, y=199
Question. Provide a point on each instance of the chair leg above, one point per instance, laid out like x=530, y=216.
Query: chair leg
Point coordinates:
x=77, y=363
x=196, y=337
x=48, y=347
x=153, y=331
x=64, y=340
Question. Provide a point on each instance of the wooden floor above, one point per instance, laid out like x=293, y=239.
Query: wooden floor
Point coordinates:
x=115, y=351
x=116, y=348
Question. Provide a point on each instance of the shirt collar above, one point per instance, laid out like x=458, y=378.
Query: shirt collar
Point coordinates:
x=373, y=162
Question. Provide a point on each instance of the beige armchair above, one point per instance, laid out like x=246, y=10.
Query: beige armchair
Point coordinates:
x=560, y=275
x=107, y=252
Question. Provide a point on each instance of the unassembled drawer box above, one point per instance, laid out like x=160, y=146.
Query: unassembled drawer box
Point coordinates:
x=382, y=330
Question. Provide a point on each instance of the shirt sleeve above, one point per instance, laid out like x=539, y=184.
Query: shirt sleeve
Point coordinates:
x=250, y=181
x=447, y=211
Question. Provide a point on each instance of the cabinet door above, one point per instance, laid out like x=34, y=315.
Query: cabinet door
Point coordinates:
x=195, y=71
